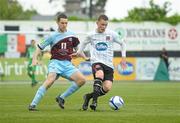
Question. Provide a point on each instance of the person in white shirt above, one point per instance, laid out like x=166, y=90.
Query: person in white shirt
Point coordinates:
x=101, y=56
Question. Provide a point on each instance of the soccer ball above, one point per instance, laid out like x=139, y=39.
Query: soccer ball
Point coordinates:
x=116, y=102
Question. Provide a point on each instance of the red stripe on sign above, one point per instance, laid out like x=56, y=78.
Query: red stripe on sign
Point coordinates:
x=21, y=47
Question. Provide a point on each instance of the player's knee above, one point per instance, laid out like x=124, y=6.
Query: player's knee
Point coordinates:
x=48, y=82
x=99, y=74
x=107, y=88
x=81, y=81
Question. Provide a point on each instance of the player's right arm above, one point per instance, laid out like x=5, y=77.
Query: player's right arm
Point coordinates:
x=39, y=49
x=79, y=52
x=83, y=45
x=84, y=56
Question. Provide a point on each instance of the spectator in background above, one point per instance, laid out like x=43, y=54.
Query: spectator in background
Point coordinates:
x=164, y=56
x=31, y=69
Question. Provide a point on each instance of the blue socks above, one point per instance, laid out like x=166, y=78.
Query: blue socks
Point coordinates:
x=74, y=87
x=42, y=90
x=39, y=94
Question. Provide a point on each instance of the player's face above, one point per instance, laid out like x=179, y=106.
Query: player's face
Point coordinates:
x=101, y=25
x=62, y=23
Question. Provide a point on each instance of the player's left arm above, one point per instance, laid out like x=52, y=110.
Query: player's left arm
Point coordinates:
x=123, y=49
x=79, y=49
x=123, y=54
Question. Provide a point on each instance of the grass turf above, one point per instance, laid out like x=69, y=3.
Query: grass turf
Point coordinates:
x=145, y=102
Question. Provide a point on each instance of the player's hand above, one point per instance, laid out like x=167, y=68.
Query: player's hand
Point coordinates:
x=74, y=55
x=123, y=63
x=87, y=59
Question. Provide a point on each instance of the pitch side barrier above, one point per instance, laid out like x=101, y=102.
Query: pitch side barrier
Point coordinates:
x=138, y=69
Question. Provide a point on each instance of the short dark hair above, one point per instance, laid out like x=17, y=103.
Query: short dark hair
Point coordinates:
x=61, y=15
x=103, y=17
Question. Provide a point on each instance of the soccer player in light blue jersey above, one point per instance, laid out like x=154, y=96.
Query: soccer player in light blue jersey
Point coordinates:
x=101, y=50
x=62, y=43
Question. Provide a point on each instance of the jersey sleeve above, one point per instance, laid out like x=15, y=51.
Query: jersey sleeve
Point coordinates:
x=116, y=38
x=45, y=42
x=121, y=42
x=84, y=43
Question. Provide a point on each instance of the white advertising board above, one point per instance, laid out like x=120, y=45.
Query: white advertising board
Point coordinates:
x=12, y=43
x=144, y=36
x=146, y=68
x=174, y=68
x=150, y=36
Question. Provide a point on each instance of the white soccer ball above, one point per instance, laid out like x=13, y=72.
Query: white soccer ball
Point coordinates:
x=116, y=102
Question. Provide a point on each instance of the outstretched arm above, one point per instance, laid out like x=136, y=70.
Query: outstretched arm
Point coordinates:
x=84, y=56
x=79, y=52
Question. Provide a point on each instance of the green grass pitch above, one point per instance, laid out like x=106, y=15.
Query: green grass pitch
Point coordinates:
x=145, y=102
